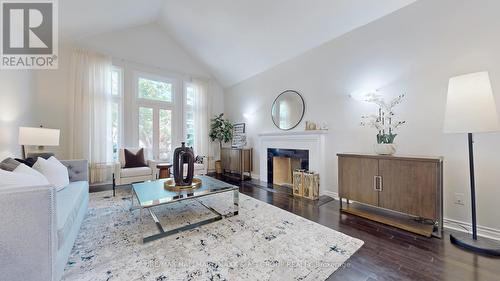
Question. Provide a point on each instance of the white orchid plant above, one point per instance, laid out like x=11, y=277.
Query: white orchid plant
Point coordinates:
x=385, y=122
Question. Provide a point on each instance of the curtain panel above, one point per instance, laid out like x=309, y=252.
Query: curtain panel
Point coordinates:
x=201, y=117
x=90, y=118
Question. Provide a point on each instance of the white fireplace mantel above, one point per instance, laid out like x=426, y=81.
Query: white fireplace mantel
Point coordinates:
x=294, y=133
x=313, y=141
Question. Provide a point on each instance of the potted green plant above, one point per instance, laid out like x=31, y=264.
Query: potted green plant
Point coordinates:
x=221, y=130
x=385, y=123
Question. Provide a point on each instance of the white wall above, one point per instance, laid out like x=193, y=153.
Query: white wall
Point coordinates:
x=52, y=87
x=145, y=48
x=17, y=96
x=414, y=51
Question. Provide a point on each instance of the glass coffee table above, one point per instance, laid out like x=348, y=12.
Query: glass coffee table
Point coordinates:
x=151, y=194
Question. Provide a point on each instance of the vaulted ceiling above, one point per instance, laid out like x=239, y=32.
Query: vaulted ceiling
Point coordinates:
x=82, y=18
x=234, y=39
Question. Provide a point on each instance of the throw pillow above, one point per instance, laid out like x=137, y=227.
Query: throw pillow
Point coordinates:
x=21, y=176
x=28, y=161
x=55, y=172
x=134, y=160
x=198, y=159
x=9, y=164
x=55, y=161
x=23, y=169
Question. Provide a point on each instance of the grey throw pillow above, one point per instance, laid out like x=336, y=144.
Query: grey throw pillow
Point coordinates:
x=198, y=159
x=9, y=164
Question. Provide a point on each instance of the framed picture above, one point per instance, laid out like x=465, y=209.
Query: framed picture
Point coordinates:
x=239, y=128
x=239, y=137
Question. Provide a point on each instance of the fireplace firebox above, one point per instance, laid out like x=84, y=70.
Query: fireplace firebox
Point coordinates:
x=282, y=162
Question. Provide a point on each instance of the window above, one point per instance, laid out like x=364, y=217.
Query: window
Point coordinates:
x=165, y=133
x=196, y=116
x=155, y=96
x=146, y=128
x=116, y=109
x=155, y=90
x=189, y=115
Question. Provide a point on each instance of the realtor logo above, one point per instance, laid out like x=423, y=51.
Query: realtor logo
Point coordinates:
x=29, y=34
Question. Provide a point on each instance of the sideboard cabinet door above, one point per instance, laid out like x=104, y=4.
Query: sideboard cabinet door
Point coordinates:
x=356, y=179
x=409, y=187
x=226, y=159
x=235, y=160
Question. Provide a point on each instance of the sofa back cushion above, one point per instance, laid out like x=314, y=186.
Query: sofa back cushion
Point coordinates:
x=134, y=160
x=55, y=172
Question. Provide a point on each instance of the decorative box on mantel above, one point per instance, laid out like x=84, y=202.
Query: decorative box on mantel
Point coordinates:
x=313, y=142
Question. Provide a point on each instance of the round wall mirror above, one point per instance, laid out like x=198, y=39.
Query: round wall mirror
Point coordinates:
x=288, y=110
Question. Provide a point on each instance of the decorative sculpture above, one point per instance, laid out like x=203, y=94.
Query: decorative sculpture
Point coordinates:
x=183, y=155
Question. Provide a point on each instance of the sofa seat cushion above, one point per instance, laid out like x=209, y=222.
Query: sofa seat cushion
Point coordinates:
x=136, y=172
x=68, y=203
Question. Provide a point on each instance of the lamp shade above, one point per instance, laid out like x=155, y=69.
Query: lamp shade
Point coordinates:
x=38, y=136
x=470, y=106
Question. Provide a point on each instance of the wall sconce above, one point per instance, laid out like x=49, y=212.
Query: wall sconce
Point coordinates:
x=249, y=116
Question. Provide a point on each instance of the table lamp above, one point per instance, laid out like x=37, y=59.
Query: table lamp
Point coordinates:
x=38, y=136
x=470, y=108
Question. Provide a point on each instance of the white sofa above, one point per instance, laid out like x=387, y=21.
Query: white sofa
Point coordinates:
x=40, y=226
x=123, y=175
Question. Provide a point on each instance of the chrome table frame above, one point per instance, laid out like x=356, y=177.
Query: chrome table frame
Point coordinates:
x=163, y=233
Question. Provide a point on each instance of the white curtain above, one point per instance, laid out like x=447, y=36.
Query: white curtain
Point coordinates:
x=201, y=117
x=90, y=112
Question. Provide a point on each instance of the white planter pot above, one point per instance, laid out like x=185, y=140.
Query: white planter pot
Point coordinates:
x=385, y=148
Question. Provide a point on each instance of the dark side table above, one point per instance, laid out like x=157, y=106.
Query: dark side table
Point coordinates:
x=164, y=169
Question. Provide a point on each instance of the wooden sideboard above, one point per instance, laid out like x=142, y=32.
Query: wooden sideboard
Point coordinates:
x=394, y=185
x=237, y=160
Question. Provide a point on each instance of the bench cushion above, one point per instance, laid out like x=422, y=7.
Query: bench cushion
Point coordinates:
x=136, y=172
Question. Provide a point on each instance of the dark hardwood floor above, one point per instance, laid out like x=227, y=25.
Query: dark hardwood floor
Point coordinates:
x=388, y=253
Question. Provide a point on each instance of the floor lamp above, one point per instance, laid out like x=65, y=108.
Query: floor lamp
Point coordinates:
x=470, y=108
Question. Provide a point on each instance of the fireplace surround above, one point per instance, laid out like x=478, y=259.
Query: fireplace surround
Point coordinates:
x=312, y=141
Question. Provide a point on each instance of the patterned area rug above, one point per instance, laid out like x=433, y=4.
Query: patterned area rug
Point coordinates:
x=263, y=242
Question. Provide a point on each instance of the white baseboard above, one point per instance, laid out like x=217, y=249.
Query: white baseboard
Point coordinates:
x=482, y=231
x=332, y=194
x=101, y=183
x=255, y=176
